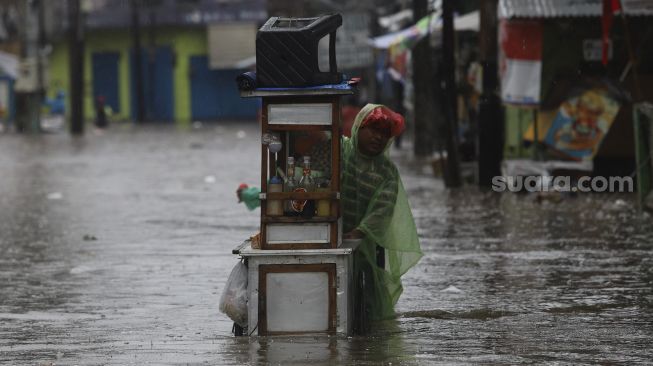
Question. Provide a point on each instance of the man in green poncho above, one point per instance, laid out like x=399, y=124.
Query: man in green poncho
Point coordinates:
x=376, y=210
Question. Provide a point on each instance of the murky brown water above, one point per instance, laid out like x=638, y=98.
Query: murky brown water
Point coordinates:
x=114, y=250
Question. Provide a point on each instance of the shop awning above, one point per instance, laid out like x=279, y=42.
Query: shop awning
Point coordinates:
x=567, y=8
x=8, y=65
x=467, y=22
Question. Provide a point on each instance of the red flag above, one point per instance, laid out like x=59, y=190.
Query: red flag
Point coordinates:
x=521, y=61
x=610, y=7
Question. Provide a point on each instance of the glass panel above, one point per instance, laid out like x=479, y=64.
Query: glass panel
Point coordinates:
x=304, y=113
x=317, y=146
x=297, y=302
x=298, y=233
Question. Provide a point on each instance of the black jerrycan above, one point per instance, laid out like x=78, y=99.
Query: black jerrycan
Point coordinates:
x=287, y=51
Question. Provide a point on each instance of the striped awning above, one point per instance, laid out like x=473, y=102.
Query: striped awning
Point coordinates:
x=567, y=8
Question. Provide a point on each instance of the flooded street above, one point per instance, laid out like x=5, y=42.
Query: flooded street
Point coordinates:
x=114, y=249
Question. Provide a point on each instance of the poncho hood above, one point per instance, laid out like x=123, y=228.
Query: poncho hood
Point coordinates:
x=358, y=122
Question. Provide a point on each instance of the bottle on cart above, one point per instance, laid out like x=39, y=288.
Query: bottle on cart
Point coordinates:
x=306, y=184
x=290, y=184
x=307, y=181
x=323, y=206
x=275, y=207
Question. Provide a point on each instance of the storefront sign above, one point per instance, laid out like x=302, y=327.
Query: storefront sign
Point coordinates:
x=592, y=50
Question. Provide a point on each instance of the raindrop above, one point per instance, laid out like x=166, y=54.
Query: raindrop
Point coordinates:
x=80, y=269
x=452, y=289
x=55, y=196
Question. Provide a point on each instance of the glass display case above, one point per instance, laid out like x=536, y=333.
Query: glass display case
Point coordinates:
x=300, y=167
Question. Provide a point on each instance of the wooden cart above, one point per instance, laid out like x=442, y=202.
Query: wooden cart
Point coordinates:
x=300, y=279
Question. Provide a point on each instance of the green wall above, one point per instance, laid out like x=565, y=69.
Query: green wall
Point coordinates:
x=185, y=42
x=517, y=121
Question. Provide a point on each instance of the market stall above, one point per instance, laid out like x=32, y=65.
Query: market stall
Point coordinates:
x=299, y=274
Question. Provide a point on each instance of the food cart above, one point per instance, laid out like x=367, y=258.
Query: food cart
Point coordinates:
x=299, y=272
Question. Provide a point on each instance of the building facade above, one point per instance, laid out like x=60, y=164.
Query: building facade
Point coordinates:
x=181, y=80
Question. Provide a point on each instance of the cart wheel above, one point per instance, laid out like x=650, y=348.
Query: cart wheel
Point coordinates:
x=237, y=330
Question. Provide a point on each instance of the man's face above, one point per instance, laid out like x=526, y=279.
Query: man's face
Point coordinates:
x=587, y=119
x=372, y=139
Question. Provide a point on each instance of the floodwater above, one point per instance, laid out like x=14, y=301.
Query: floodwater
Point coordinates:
x=114, y=249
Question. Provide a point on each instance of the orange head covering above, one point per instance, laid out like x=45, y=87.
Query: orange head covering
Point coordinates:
x=384, y=117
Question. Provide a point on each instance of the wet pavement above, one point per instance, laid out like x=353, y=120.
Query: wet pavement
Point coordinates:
x=114, y=249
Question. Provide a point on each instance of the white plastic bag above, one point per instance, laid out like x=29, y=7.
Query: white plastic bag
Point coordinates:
x=233, y=301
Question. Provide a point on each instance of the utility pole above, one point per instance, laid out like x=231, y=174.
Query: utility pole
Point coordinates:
x=490, y=129
x=138, y=61
x=29, y=84
x=423, y=90
x=40, y=43
x=452, y=167
x=76, y=54
x=370, y=72
x=151, y=58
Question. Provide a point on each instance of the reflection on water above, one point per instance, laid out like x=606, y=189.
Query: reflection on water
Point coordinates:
x=384, y=345
x=317, y=350
x=505, y=278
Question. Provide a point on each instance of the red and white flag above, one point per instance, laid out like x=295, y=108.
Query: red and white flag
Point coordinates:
x=521, y=61
x=610, y=7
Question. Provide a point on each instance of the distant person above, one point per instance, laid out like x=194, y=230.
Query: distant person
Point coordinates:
x=57, y=105
x=100, y=113
x=55, y=120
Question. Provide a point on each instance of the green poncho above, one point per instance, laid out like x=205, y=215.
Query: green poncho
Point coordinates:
x=374, y=202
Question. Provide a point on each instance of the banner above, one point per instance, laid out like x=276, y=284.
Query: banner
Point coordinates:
x=520, y=61
x=582, y=122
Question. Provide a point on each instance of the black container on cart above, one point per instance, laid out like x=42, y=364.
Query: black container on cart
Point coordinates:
x=287, y=51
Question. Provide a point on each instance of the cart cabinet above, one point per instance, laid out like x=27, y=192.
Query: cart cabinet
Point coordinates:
x=299, y=291
x=302, y=122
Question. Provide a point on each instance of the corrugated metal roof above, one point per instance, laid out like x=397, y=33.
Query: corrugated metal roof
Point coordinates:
x=567, y=8
x=117, y=13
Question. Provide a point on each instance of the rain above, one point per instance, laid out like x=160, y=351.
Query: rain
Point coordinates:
x=120, y=221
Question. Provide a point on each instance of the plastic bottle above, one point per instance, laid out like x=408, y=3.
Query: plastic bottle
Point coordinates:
x=275, y=207
x=306, y=208
x=307, y=181
x=290, y=184
x=323, y=206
